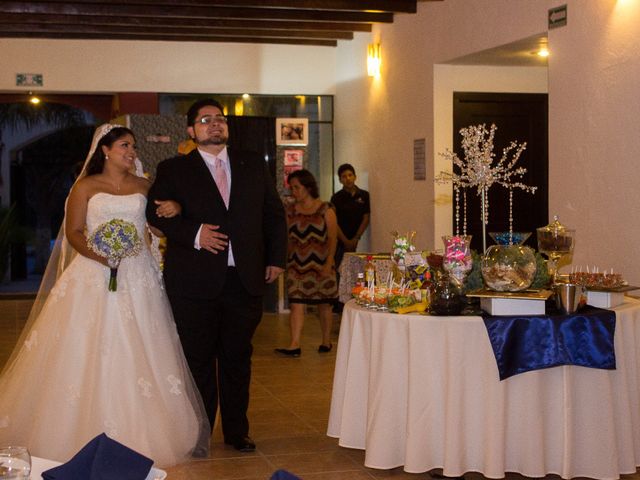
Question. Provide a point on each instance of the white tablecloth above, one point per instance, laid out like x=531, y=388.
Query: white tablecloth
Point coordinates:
x=423, y=392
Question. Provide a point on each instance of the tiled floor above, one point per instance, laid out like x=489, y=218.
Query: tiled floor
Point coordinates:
x=289, y=412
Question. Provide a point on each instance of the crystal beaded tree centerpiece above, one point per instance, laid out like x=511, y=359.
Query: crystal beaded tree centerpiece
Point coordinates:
x=479, y=170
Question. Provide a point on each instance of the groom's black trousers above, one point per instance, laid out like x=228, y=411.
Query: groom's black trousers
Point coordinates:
x=216, y=337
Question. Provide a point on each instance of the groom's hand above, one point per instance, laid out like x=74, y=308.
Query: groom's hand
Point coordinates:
x=272, y=273
x=212, y=240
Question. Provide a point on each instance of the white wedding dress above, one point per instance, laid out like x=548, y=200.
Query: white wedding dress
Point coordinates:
x=99, y=361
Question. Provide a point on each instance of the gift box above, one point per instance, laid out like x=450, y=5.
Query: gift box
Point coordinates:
x=528, y=302
x=604, y=299
x=513, y=306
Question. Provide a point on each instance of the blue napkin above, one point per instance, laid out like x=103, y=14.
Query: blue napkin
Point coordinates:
x=102, y=459
x=283, y=475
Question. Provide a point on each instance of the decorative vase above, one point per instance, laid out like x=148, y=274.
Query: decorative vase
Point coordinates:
x=402, y=244
x=509, y=266
x=445, y=299
x=457, y=260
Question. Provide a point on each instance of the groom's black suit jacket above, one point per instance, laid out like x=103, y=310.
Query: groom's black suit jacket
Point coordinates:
x=255, y=223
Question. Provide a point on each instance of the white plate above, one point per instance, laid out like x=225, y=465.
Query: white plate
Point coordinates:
x=39, y=465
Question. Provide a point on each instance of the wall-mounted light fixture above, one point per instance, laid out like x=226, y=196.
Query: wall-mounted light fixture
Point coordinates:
x=543, y=52
x=33, y=99
x=238, y=108
x=374, y=59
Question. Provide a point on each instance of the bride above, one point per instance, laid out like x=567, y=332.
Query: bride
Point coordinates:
x=92, y=360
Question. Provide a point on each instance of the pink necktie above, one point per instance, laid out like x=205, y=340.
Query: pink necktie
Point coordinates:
x=220, y=176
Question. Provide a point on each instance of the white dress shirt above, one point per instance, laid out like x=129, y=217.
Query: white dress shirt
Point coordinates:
x=210, y=160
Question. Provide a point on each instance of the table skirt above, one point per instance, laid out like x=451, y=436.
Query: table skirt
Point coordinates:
x=423, y=392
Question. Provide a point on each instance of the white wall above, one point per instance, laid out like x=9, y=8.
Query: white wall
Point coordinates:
x=392, y=111
x=594, y=109
x=122, y=66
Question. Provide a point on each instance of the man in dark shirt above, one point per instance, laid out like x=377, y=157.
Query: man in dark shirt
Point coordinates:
x=352, y=209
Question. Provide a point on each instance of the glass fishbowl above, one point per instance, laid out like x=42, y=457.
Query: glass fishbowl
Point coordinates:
x=509, y=266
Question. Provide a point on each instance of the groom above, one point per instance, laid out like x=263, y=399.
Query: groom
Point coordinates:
x=229, y=241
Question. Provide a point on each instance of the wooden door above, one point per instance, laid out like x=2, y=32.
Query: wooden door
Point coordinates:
x=519, y=117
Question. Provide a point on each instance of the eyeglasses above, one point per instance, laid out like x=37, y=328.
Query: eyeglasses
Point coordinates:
x=209, y=119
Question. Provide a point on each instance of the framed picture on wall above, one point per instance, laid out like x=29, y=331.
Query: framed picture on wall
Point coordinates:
x=293, y=157
x=292, y=131
x=292, y=161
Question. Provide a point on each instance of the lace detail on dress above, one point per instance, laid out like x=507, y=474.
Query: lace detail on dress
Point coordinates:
x=124, y=303
x=59, y=290
x=73, y=395
x=146, y=280
x=175, y=383
x=155, y=247
x=105, y=349
x=32, y=341
x=145, y=386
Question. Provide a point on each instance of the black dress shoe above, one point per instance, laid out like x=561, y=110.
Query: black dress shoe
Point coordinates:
x=293, y=352
x=200, y=452
x=242, y=444
x=325, y=348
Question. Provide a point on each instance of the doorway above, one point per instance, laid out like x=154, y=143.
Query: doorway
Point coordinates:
x=521, y=117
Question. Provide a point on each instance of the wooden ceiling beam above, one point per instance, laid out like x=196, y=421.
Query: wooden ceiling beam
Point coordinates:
x=107, y=30
x=182, y=11
x=194, y=38
x=194, y=23
x=302, y=22
x=393, y=6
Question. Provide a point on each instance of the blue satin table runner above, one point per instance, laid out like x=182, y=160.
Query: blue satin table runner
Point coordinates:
x=524, y=343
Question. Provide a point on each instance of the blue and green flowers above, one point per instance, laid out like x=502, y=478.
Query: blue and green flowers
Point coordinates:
x=115, y=240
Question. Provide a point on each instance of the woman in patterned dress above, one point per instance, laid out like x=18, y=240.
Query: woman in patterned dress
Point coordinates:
x=311, y=274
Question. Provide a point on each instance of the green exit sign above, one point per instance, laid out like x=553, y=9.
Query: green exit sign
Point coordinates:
x=29, y=80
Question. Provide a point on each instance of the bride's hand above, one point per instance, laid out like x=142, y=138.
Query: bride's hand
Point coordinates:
x=168, y=208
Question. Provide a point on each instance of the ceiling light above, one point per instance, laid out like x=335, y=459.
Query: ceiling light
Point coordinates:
x=33, y=99
x=543, y=52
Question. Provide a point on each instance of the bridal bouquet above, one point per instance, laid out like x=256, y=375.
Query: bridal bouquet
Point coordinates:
x=115, y=240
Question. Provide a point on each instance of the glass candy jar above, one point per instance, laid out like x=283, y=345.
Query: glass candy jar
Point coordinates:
x=445, y=299
x=457, y=260
x=555, y=241
x=509, y=266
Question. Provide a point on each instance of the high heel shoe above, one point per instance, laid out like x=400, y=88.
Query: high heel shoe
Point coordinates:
x=289, y=352
x=325, y=348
